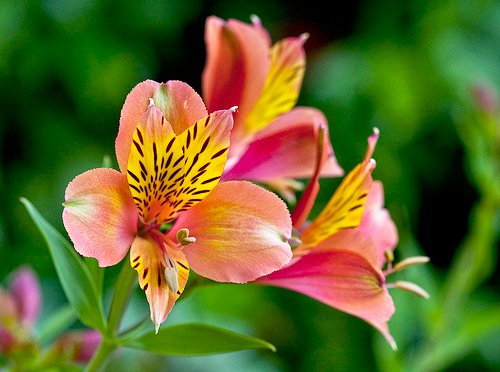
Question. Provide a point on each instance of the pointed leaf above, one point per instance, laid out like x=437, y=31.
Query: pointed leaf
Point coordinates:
x=197, y=339
x=75, y=278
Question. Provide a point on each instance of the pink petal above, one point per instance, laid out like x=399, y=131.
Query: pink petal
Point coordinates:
x=135, y=105
x=287, y=148
x=377, y=223
x=179, y=103
x=236, y=66
x=8, y=310
x=241, y=233
x=100, y=215
x=25, y=290
x=89, y=340
x=341, y=277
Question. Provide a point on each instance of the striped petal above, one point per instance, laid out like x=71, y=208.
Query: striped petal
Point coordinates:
x=147, y=257
x=345, y=208
x=341, y=276
x=167, y=173
x=136, y=104
x=283, y=82
x=100, y=215
x=241, y=233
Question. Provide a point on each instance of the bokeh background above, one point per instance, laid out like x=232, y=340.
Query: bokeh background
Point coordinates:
x=426, y=73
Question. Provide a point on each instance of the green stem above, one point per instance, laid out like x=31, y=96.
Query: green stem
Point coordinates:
x=125, y=285
x=100, y=357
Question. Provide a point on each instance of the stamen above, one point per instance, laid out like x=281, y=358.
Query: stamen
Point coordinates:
x=411, y=261
x=410, y=287
x=183, y=237
x=171, y=275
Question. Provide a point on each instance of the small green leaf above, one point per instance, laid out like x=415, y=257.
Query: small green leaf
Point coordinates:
x=73, y=274
x=197, y=339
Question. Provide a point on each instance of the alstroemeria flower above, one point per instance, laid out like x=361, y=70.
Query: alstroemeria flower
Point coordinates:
x=273, y=141
x=166, y=205
x=341, y=253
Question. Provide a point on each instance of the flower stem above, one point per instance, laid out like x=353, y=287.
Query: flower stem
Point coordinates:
x=100, y=357
x=125, y=284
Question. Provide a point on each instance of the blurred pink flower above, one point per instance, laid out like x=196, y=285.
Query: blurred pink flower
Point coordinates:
x=171, y=154
x=19, y=311
x=272, y=141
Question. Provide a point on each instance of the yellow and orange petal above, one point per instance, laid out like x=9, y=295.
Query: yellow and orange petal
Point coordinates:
x=148, y=257
x=168, y=174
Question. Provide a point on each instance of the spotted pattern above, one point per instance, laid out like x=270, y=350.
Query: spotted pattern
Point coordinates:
x=345, y=208
x=282, y=86
x=168, y=174
x=145, y=258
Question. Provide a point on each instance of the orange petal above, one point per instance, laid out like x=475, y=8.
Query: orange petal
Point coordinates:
x=100, y=216
x=180, y=104
x=236, y=67
x=241, y=233
x=147, y=258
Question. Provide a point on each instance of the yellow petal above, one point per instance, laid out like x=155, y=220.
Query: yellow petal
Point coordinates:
x=282, y=87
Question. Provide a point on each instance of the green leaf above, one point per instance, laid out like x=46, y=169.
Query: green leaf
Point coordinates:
x=57, y=322
x=197, y=339
x=73, y=274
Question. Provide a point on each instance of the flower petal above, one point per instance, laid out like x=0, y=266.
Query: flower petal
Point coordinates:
x=179, y=103
x=25, y=290
x=377, y=223
x=8, y=310
x=136, y=104
x=236, y=66
x=286, y=149
x=283, y=82
x=168, y=174
x=341, y=277
x=241, y=233
x=345, y=208
x=100, y=215
x=146, y=257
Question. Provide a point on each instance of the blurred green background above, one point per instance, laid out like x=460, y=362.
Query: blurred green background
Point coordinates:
x=426, y=73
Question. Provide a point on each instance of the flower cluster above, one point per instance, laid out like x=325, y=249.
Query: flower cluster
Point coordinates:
x=201, y=183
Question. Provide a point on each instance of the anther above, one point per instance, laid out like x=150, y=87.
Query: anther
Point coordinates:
x=172, y=275
x=183, y=237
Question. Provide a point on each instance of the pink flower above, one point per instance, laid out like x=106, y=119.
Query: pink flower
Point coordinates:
x=272, y=142
x=340, y=254
x=166, y=205
x=78, y=346
x=19, y=309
